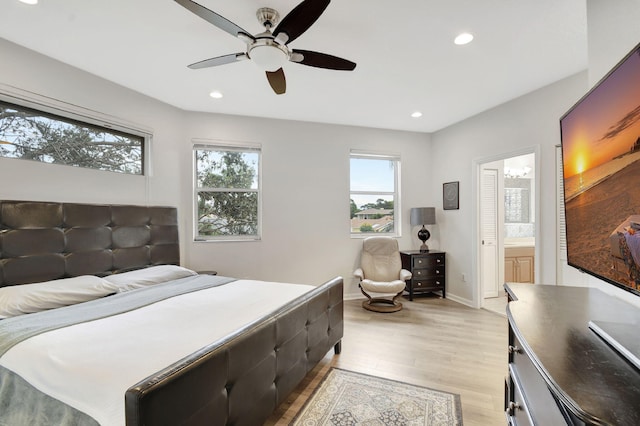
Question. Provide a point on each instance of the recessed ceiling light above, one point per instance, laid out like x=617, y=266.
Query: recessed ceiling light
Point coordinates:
x=29, y=1
x=463, y=38
x=416, y=114
x=215, y=94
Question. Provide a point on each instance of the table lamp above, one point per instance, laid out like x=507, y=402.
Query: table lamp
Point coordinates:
x=423, y=216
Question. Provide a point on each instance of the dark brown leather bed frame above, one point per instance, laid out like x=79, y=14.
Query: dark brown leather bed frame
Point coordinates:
x=239, y=380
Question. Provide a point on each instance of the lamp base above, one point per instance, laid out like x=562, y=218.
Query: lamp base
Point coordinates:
x=423, y=235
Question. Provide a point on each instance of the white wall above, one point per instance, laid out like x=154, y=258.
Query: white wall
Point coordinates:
x=26, y=73
x=612, y=31
x=305, y=197
x=531, y=121
x=305, y=174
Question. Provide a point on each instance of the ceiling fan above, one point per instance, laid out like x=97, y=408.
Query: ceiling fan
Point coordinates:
x=270, y=50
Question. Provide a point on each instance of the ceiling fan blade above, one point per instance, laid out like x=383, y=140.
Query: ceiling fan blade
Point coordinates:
x=300, y=19
x=321, y=60
x=220, y=60
x=277, y=81
x=215, y=19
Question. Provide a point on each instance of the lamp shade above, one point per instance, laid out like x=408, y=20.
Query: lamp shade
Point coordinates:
x=423, y=216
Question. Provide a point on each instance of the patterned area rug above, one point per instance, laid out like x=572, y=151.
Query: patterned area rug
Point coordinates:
x=348, y=398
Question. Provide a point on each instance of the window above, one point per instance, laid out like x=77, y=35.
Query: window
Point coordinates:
x=29, y=134
x=516, y=205
x=227, y=192
x=374, y=194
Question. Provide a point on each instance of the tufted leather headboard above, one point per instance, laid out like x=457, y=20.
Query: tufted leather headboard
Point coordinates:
x=41, y=241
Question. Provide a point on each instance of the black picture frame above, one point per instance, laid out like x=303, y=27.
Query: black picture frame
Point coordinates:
x=451, y=195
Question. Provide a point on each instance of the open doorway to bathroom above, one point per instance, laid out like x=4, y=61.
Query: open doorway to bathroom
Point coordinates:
x=507, y=224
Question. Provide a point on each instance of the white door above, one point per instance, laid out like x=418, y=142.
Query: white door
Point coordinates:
x=489, y=232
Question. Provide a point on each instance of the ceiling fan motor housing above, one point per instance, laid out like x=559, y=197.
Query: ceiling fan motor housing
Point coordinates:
x=268, y=17
x=264, y=51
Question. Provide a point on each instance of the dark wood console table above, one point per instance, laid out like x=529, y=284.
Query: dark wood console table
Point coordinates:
x=560, y=371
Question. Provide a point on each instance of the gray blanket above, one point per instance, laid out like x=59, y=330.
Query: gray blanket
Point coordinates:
x=22, y=404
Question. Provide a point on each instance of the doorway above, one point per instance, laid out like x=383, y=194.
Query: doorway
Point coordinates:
x=506, y=215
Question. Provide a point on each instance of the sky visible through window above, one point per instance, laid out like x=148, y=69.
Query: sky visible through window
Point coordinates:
x=371, y=175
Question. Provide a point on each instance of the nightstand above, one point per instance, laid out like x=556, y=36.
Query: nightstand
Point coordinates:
x=427, y=270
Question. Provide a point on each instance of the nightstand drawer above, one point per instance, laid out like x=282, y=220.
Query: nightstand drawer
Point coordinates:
x=426, y=261
x=428, y=283
x=431, y=272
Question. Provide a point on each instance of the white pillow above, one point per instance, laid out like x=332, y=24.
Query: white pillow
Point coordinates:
x=29, y=298
x=126, y=281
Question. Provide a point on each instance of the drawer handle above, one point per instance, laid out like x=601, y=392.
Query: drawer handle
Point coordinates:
x=438, y=260
x=514, y=349
x=511, y=408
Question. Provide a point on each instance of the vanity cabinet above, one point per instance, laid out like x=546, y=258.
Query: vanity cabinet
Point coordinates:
x=519, y=264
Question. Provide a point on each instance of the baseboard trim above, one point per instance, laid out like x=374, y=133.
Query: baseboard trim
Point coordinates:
x=353, y=296
x=466, y=302
x=460, y=300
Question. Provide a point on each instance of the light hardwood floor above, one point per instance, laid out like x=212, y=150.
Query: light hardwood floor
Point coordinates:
x=432, y=342
x=497, y=304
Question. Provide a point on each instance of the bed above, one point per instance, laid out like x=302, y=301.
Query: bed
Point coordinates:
x=233, y=373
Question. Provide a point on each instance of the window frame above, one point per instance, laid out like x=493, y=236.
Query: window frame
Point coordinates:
x=71, y=114
x=225, y=147
x=395, y=158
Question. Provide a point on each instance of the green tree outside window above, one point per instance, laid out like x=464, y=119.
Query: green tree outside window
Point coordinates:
x=227, y=192
x=29, y=134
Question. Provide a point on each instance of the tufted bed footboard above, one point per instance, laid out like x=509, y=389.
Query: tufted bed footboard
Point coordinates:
x=241, y=379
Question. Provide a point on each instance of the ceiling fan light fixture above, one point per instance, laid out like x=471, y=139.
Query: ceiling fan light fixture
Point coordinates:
x=416, y=114
x=216, y=94
x=268, y=56
x=31, y=2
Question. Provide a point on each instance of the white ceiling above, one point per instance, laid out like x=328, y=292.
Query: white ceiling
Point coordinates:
x=406, y=59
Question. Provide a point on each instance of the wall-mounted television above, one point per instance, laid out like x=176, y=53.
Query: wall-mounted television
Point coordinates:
x=600, y=138
x=600, y=151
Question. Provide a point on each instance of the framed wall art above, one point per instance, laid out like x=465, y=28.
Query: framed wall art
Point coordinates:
x=450, y=196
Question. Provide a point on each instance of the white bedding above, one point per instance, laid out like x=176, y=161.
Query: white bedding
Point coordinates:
x=90, y=366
